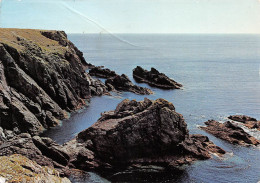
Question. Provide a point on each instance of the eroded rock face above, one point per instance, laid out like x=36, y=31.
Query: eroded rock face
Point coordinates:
x=101, y=72
x=123, y=83
x=142, y=133
x=247, y=121
x=155, y=78
x=230, y=132
x=18, y=168
x=40, y=149
x=42, y=77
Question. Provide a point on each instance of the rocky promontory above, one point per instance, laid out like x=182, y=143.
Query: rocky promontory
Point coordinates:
x=154, y=78
x=138, y=134
x=230, y=132
x=135, y=136
x=42, y=77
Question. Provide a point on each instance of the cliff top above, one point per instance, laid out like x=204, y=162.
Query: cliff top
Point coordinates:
x=17, y=168
x=14, y=37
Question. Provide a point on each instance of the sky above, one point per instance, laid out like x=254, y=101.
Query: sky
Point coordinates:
x=133, y=16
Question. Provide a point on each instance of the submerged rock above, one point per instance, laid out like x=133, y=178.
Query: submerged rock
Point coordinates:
x=247, y=121
x=17, y=168
x=123, y=83
x=101, y=72
x=42, y=77
x=155, y=78
x=230, y=132
x=140, y=134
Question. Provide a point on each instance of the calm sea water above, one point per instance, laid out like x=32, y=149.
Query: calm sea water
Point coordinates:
x=220, y=75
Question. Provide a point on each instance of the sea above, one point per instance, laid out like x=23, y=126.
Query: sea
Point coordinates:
x=220, y=74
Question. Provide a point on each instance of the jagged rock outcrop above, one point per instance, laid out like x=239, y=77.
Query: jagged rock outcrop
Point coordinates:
x=134, y=136
x=230, y=132
x=17, y=168
x=101, y=72
x=247, y=121
x=42, y=77
x=154, y=78
x=123, y=83
x=138, y=134
x=116, y=82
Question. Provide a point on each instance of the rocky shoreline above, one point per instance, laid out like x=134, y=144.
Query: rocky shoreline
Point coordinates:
x=133, y=136
x=43, y=78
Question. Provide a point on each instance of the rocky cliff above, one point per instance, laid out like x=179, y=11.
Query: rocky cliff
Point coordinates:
x=42, y=77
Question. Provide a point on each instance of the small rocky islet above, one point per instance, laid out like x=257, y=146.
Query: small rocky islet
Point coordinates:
x=155, y=78
x=43, y=78
x=115, y=82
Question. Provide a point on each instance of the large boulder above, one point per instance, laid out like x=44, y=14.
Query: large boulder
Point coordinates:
x=138, y=134
x=154, y=78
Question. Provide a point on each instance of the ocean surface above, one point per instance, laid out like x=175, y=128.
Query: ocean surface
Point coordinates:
x=220, y=75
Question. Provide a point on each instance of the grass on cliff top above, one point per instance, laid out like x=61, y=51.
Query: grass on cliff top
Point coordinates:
x=17, y=168
x=10, y=36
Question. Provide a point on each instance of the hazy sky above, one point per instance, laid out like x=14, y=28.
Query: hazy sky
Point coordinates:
x=134, y=16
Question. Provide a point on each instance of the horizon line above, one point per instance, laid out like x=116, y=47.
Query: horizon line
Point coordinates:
x=158, y=33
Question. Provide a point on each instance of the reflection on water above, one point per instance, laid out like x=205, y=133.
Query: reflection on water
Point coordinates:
x=220, y=75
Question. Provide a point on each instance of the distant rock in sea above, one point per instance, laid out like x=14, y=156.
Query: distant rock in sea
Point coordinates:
x=247, y=121
x=42, y=77
x=123, y=83
x=154, y=78
x=102, y=72
x=116, y=82
x=230, y=132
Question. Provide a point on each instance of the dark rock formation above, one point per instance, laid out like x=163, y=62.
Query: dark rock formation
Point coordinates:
x=247, y=121
x=123, y=83
x=137, y=136
x=230, y=132
x=140, y=134
x=102, y=73
x=154, y=78
x=42, y=77
x=40, y=149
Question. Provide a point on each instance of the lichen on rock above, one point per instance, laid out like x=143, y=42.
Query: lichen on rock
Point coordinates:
x=17, y=168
